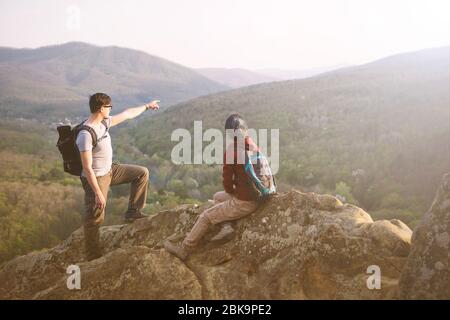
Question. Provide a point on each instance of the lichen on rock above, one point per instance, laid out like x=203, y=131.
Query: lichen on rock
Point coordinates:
x=295, y=246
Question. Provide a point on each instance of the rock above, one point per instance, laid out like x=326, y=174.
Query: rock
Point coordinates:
x=427, y=272
x=393, y=234
x=135, y=273
x=296, y=246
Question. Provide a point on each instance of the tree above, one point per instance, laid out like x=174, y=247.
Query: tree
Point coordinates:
x=344, y=190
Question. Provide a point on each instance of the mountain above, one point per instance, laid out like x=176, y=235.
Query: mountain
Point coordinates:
x=296, y=246
x=286, y=74
x=376, y=133
x=235, y=77
x=57, y=80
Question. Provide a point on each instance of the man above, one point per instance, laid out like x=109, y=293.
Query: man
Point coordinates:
x=235, y=202
x=99, y=172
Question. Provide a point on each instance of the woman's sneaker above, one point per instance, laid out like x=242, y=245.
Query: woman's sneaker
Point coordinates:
x=226, y=232
x=179, y=251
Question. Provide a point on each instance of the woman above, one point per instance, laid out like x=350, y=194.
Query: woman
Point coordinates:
x=236, y=201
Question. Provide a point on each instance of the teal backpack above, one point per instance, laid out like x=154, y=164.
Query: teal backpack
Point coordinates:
x=261, y=179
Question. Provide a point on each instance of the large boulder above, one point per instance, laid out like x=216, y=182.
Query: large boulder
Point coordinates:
x=296, y=246
x=426, y=274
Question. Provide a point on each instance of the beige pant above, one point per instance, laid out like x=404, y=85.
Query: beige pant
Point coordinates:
x=227, y=207
x=137, y=176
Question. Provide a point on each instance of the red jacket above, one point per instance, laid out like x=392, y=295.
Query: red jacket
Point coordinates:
x=235, y=180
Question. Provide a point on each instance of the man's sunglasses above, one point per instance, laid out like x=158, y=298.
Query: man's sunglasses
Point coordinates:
x=110, y=106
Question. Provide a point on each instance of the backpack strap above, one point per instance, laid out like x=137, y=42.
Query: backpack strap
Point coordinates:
x=105, y=123
x=91, y=130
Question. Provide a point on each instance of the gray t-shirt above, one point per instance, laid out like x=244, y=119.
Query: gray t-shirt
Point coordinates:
x=102, y=154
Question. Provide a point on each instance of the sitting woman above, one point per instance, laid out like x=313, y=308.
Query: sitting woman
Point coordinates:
x=237, y=201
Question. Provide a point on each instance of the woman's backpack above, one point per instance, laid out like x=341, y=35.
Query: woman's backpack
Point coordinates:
x=262, y=181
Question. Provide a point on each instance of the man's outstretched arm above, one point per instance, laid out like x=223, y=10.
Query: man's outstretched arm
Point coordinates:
x=131, y=113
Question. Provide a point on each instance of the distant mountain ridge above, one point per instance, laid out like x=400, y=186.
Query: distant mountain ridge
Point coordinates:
x=235, y=77
x=238, y=77
x=62, y=76
x=287, y=74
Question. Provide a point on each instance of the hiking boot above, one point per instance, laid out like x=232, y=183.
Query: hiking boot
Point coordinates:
x=179, y=251
x=226, y=232
x=131, y=216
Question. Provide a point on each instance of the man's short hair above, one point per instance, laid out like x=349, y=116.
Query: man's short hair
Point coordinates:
x=98, y=100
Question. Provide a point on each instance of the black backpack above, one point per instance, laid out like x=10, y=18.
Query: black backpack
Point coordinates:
x=68, y=148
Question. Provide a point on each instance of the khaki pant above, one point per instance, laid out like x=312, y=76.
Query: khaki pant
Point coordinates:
x=227, y=207
x=119, y=174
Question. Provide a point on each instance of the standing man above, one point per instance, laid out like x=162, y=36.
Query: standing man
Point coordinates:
x=99, y=172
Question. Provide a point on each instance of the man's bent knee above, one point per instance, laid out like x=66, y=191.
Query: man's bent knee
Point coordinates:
x=145, y=171
x=145, y=174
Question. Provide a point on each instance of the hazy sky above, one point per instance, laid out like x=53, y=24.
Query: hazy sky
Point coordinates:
x=249, y=34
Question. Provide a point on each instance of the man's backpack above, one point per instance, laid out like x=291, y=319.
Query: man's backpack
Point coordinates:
x=68, y=148
x=262, y=181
